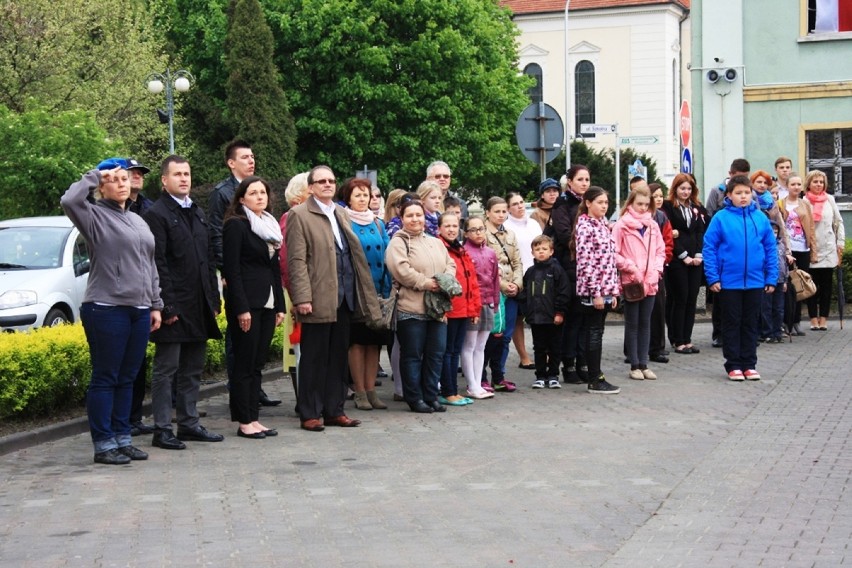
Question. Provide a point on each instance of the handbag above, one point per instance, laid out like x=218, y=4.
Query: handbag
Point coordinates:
x=500, y=317
x=802, y=283
x=388, y=320
x=635, y=291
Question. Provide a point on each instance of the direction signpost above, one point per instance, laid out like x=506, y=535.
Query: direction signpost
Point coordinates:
x=638, y=140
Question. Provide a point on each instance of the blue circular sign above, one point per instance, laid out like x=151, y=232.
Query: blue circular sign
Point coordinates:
x=686, y=161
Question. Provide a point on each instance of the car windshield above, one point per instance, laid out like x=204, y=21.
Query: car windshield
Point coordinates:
x=32, y=247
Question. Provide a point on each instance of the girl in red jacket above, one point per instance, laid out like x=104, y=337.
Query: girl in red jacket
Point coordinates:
x=465, y=310
x=640, y=255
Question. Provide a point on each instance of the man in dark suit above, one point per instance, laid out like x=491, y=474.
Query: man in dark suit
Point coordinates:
x=191, y=301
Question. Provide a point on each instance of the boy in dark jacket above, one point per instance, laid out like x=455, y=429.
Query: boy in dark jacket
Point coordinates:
x=545, y=298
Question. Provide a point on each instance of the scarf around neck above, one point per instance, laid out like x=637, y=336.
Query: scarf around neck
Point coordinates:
x=817, y=200
x=266, y=227
x=362, y=217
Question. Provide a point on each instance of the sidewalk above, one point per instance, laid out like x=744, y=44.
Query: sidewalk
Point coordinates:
x=688, y=470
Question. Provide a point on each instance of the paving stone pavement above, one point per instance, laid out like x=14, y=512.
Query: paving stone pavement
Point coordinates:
x=688, y=470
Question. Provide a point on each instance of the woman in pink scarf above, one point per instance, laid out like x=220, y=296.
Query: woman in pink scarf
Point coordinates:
x=830, y=238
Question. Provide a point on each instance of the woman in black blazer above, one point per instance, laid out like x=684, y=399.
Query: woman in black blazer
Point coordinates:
x=684, y=276
x=254, y=300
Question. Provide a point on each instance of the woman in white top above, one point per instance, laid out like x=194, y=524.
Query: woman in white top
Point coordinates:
x=525, y=230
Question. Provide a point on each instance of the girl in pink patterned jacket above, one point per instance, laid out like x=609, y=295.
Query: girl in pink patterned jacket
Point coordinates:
x=597, y=281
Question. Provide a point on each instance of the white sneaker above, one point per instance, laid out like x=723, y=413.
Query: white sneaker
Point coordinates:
x=538, y=384
x=553, y=384
x=636, y=375
x=649, y=374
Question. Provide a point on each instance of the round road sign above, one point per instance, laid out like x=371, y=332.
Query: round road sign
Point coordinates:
x=685, y=124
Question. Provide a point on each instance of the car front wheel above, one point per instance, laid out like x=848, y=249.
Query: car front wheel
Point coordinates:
x=55, y=317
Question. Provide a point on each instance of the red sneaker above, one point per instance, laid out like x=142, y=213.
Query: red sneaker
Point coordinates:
x=487, y=387
x=505, y=386
x=736, y=375
x=752, y=375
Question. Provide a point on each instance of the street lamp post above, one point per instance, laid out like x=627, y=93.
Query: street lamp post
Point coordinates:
x=568, y=118
x=179, y=81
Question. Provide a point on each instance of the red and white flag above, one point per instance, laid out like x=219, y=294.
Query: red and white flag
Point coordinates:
x=833, y=16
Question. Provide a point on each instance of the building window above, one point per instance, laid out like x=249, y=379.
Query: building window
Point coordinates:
x=584, y=96
x=830, y=151
x=826, y=16
x=536, y=92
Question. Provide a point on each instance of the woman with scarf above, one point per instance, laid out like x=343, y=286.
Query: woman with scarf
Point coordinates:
x=548, y=193
x=254, y=300
x=640, y=255
x=365, y=344
x=830, y=237
x=689, y=221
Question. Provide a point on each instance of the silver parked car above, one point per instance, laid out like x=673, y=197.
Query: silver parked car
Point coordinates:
x=44, y=268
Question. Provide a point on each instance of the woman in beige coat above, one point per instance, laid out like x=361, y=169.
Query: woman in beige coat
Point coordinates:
x=413, y=258
x=830, y=238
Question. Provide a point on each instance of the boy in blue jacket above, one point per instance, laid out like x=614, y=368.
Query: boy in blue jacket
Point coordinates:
x=741, y=264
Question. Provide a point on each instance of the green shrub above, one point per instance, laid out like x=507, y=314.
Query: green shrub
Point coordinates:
x=48, y=369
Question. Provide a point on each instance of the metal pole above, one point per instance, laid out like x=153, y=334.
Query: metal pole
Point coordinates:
x=568, y=118
x=542, y=152
x=170, y=109
x=617, y=172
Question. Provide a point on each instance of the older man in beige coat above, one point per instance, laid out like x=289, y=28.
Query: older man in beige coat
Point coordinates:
x=330, y=284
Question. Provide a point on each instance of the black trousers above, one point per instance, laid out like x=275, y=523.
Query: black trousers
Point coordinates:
x=139, y=385
x=740, y=327
x=792, y=308
x=251, y=350
x=658, y=322
x=820, y=303
x=683, y=285
x=591, y=333
x=547, y=345
x=324, y=367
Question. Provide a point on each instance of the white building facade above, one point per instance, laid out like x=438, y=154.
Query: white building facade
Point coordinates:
x=626, y=63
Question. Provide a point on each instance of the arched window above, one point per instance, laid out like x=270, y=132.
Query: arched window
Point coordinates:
x=536, y=92
x=584, y=96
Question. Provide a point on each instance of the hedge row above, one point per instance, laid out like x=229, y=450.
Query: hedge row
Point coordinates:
x=48, y=369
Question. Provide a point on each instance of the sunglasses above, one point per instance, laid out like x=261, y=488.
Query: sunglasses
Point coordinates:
x=442, y=176
x=329, y=181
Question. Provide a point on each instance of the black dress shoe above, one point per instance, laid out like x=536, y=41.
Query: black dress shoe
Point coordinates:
x=437, y=406
x=252, y=436
x=717, y=342
x=421, y=407
x=133, y=453
x=198, y=434
x=264, y=400
x=659, y=358
x=166, y=439
x=139, y=428
x=270, y=432
x=112, y=457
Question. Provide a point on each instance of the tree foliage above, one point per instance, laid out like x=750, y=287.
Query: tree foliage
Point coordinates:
x=44, y=153
x=257, y=109
x=82, y=54
x=395, y=84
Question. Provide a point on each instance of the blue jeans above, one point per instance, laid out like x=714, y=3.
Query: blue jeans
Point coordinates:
x=421, y=357
x=456, y=331
x=637, y=330
x=118, y=337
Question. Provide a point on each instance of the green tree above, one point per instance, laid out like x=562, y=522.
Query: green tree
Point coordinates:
x=395, y=84
x=257, y=108
x=80, y=54
x=44, y=153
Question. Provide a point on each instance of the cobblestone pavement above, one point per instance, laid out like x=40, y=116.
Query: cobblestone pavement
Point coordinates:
x=688, y=470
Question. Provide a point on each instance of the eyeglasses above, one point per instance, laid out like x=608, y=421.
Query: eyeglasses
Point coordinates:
x=329, y=181
x=442, y=176
x=476, y=230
